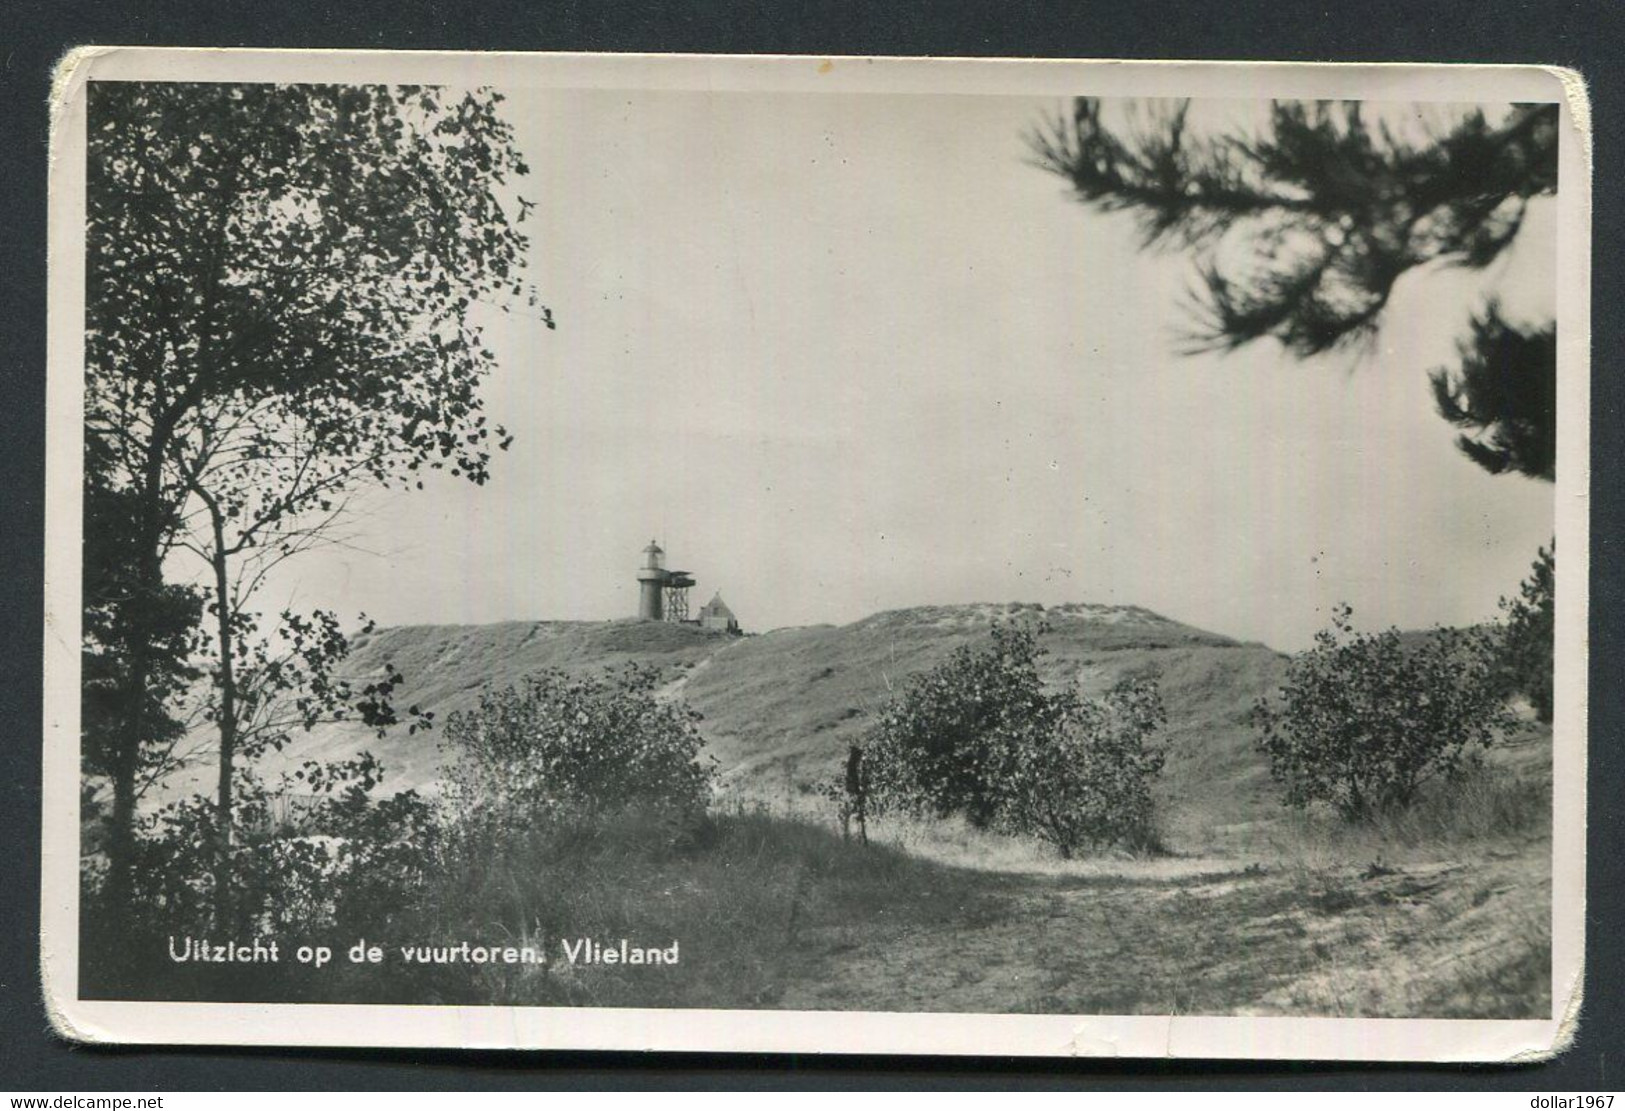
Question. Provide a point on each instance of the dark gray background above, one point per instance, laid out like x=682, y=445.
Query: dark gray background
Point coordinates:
x=1586, y=36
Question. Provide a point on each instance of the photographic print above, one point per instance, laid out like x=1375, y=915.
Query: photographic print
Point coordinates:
x=816, y=554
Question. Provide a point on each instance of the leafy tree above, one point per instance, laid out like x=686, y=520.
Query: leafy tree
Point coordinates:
x=132, y=626
x=1304, y=226
x=296, y=685
x=979, y=736
x=280, y=289
x=1088, y=781
x=1527, y=643
x=950, y=743
x=559, y=744
x=316, y=851
x=1366, y=720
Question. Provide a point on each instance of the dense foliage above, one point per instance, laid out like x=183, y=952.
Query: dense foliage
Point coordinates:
x=558, y=744
x=1088, y=783
x=1504, y=394
x=1364, y=721
x=979, y=736
x=950, y=742
x=124, y=622
x=1527, y=641
x=320, y=851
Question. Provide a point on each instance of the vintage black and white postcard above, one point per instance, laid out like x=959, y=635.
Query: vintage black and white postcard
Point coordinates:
x=817, y=554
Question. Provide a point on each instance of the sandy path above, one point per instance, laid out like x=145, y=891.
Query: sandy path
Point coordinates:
x=1443, y=938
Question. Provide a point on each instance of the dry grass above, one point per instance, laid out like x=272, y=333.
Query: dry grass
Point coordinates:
x=740, y=892
x=777, y=912
x=1496, y=808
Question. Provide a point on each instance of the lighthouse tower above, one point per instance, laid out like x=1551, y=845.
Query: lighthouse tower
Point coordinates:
x=651, y=583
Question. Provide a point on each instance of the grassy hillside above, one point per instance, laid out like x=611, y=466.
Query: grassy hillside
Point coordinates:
x=780, y=708
x=447, y=666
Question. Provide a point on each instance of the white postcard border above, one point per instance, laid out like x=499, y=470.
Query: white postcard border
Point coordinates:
x=792, y=1031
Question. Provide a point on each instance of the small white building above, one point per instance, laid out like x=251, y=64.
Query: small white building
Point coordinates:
x=715, y=614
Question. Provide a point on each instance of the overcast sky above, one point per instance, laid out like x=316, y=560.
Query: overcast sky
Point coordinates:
x=843, y=354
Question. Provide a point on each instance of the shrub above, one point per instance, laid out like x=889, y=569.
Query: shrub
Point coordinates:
x=1364, y=720
x=1087, y=781
x=1527, y=647
x=950, y=744
x=335, y=855
x=557, y=743
x=980, y=737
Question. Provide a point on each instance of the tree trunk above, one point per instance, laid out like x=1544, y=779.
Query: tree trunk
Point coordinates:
x=126, y=758
x=121, y=832
x=227, y=722
x=148, y=544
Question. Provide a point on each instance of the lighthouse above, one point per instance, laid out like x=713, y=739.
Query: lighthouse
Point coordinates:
x=651, y=583
x=662, y=591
